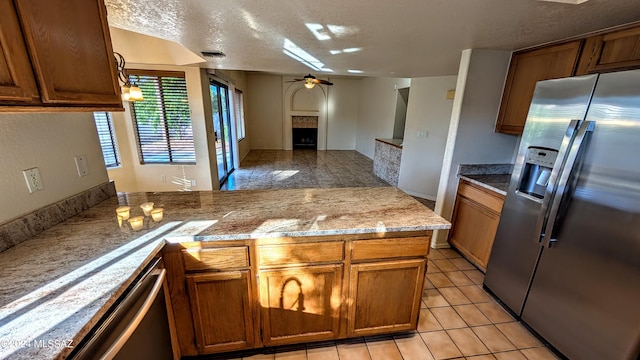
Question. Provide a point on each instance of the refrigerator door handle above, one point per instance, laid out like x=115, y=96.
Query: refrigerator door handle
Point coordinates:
x=563, y=183
x=567, y=141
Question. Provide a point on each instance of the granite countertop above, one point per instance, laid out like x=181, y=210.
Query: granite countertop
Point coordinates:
x=56, y=286
x=393, y=142
x=494, y=182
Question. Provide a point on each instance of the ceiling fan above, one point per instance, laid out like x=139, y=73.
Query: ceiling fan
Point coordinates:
x=310, y=81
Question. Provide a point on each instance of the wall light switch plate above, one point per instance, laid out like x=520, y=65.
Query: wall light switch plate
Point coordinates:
x=32, y=176
x=82, y=166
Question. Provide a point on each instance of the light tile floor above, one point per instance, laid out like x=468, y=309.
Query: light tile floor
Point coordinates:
x=458, y=320
x=280, y=169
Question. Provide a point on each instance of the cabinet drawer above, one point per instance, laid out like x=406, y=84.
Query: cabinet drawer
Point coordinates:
x=289, y=254
x=390, y=248
x=216, y=258
x=484, y=197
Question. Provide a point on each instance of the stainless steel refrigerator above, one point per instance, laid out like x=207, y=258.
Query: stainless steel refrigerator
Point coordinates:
x=566, y=257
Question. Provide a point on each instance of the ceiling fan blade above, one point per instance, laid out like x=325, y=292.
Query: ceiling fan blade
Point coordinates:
x=325, y=82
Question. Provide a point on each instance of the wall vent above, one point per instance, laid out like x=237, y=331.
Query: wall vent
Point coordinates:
x=213, y=54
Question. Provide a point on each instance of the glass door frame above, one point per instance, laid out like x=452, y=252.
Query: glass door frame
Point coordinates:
x=224, y=136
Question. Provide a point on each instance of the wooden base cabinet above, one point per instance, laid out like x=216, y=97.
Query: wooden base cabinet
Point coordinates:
x=222, y=311
x=475, y=220
x=234, y=295
x=386, y=296
x=300, y=304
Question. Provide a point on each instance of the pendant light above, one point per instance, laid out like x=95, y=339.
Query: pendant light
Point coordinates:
x=130, y=92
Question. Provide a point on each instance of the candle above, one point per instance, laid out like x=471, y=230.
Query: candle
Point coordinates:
x=157, y=214
x=123, y=211
x=136, y=222
x=147, y=207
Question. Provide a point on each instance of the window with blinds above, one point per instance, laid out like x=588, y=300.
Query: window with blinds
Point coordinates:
x=162, y=121
x=107, y=137
x=238, y=108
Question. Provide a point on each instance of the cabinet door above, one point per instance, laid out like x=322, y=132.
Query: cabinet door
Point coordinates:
x=17, y=84
x=618, y=50
x=300, y=304
x=70, y=49
x=473, y=230
x=386, y=296
x=222, y=311
x=525, y=70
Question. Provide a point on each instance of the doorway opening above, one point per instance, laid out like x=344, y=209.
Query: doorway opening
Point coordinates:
x=222, y=129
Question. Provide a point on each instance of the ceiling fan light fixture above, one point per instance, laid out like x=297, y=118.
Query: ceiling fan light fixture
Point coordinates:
x=309, y=84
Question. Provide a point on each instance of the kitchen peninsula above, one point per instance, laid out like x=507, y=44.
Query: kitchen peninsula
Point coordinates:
x=289, y=263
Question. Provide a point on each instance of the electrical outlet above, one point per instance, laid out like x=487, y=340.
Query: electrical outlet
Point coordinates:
x=82, y=166
x=423, y=134
x=32, y=177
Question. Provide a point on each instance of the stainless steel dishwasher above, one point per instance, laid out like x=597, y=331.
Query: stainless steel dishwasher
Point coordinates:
x=137, y=327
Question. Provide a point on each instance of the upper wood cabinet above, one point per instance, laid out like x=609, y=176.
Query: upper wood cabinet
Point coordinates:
x=611, y=50
x=17, y=83
x=616, y=50
x=64, y=47
x=527, y=68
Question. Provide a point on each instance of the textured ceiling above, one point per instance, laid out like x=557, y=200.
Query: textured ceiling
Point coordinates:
x=403, y=38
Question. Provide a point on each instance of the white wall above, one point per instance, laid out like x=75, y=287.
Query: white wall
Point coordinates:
x=264, y=105
x=48, y=141
x=133, y=177
x=376, y=111
x=471, y=136
x=428, y=111
x=240, y=83
x=343, y=114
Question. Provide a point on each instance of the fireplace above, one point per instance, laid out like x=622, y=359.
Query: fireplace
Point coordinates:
x=304, y=132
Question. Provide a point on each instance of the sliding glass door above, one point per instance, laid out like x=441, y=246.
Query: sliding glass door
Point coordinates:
x=222, y=127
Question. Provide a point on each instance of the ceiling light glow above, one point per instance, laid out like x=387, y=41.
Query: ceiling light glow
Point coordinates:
x=318, y=31
x=355, y=71
x=335, y=52
x=294, y=51
x=340, y=30
x=352, y=50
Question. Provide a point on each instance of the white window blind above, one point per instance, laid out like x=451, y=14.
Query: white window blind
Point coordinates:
x=238, y=108
x=107, y=137
x=162, y=121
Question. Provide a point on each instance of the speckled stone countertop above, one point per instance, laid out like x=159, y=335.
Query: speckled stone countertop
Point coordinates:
x=56, y=286
x=393, y=142
x=494, y=182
